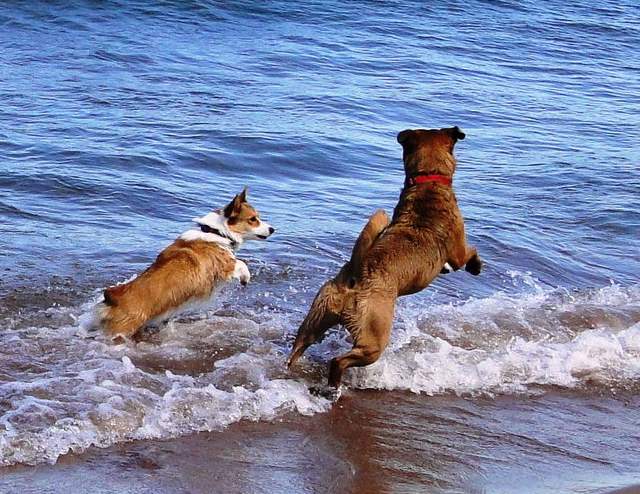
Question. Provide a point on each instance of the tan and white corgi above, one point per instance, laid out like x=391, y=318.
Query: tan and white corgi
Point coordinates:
x=186, y=272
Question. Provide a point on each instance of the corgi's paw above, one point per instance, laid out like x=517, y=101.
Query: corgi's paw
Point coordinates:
x=446, y=269
x=241, y=272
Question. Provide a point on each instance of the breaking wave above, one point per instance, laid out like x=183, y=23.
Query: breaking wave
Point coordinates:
x=63, y=389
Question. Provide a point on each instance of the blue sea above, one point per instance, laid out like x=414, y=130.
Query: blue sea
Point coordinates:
x=120, y=121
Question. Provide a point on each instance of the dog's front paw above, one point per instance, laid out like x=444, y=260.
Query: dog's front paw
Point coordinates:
x=474, y=265
x=446, y=269
x=241, y=272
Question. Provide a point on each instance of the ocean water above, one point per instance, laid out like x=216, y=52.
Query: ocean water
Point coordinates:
x=121, y=121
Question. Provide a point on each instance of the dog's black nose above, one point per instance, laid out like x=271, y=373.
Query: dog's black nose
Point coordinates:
x=271, y=230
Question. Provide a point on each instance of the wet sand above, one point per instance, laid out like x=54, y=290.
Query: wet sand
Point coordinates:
x=632, y=489
x=374, y=442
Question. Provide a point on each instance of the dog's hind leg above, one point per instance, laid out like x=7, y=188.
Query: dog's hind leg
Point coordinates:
x=119, y=323
x=299, y=347
x=122, y=327
x=359, y=356
x=327, y=307
x=323, y=314
x=370, y=339
x=308, y=335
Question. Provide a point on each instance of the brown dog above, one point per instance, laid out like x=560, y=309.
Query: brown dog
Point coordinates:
x=392, y=259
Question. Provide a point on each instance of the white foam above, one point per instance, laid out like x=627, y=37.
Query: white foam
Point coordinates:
x=111, y=400
x=435, y=366
x=83, y=392
x=507, y=344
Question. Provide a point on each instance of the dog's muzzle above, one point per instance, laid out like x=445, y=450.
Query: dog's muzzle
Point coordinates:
x=265, y=237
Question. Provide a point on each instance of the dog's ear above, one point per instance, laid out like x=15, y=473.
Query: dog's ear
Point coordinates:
x=455, y=133
x=405, y=136
x=235, y=205
x=243, y=194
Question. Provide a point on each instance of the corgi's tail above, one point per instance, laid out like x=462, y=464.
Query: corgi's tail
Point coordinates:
x=113, y=317
x=103, y=310
x=101, y=315
x=112, y=294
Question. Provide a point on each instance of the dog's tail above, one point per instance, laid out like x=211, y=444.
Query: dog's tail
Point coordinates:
x=329, y=304
x=104, y=310
x=113, y=316
x=112, y=295
x=368, y=236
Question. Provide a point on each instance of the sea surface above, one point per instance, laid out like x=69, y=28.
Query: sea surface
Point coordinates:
x=120, y=121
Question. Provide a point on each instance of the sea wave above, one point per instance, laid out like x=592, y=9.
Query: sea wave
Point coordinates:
x=65, y=389
x=514, y=343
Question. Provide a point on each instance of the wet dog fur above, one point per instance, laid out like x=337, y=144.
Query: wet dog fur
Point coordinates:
x=393, y=258
x=186, y=272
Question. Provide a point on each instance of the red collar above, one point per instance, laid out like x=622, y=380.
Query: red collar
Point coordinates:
x=423, y=179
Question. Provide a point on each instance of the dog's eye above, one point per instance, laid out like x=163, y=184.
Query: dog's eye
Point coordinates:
x=253, y=219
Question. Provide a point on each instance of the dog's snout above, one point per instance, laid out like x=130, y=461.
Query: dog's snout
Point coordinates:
x=271, y=230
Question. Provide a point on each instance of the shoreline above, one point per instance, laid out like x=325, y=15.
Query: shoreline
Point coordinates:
x=373, y=442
